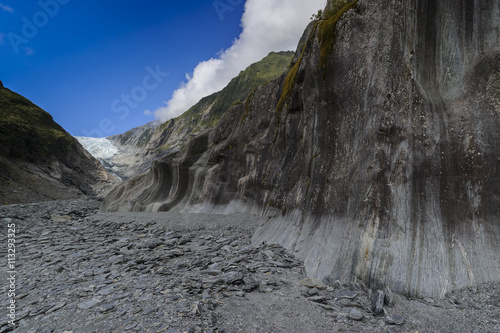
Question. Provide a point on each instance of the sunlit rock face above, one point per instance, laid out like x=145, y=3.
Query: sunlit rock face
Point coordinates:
x=377, y=159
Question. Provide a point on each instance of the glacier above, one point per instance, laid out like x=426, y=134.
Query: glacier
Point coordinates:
x=100, y=148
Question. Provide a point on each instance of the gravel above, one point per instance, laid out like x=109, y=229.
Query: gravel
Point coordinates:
x=79, y=271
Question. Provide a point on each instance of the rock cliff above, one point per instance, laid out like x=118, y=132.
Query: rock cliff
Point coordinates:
x=39, y=160
x=375, y=157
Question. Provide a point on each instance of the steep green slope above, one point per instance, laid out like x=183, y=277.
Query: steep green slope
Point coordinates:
x=207, y=112
x=39, y=160
x=143, y=144
x=238, y=89
x=28, y=132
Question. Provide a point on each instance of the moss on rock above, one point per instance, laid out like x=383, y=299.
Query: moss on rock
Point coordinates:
x=289, y=82
x=327, y=27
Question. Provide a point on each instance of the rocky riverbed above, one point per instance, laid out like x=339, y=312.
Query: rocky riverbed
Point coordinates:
x=79, y=271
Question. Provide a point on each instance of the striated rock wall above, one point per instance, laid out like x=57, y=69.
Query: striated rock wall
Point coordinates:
x=376, y=156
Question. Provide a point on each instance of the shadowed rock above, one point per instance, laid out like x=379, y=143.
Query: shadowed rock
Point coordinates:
x=39, y=160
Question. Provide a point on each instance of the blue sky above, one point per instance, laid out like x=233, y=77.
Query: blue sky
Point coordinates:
x=104, y=67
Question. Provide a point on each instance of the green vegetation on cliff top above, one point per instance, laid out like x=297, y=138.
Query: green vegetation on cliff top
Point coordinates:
x=236, y=91
x=325, y=27
x=28, y=132
x=208, y=111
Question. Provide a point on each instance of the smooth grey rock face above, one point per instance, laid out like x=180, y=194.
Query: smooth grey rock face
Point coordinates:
x=383, y=164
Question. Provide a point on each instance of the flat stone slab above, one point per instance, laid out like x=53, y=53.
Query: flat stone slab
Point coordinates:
x=317, y=299
x=313, y=283
x=393, y=319
x=90, y=303
x=346, y=293
x=355, y=314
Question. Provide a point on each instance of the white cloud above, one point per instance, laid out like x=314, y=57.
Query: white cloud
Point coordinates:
x=7, y=8
x=268, y=25
x=2, y=37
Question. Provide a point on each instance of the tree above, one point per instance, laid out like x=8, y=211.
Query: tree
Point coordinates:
x=317, y=16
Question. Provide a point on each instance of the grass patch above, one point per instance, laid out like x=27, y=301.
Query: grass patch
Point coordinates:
x=145, y=137
x=247, y=105
x=328, y=26
x=125, y=137
x=237, y=90
x=289, y=83
x=237, y=102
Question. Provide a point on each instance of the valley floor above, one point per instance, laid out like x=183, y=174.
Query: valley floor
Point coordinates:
x=79, y=271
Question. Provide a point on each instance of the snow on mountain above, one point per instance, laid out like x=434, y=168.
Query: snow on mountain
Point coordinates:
x=114, y=158
x=101, y=148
